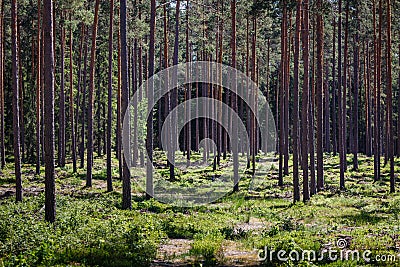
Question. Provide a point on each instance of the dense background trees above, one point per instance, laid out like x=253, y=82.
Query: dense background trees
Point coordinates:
x=325, y=67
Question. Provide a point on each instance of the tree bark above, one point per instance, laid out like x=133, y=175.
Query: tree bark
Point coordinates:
x=296, y=189
x=16, y=112
x=71, y=100
x=50, y=196
x=89, y=174
x=319, y=95
x=109, y=102
x=305, y=98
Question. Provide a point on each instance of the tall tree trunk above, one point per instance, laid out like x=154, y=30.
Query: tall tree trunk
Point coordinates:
x=174, y=94
x=305, y=99
x=38, y=89
x=61, y=137
x=109, y=102
x=149, y=133
x=2, y=136
x=355, y=92
x=126, y=180
x=71, y=100
x=377, y=109
x=282, y=92
x=286, y=91
x=296, y=189
x=334, y=93
x=389, y=96
x=83, y=105
x=398, y=111
x=367, y=81
x=319, y=95
x=341, y=99
x=16, y=112
x=89, y=174
x=50, y=196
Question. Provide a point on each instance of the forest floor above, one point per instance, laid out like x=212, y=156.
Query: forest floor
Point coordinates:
x=92, y=230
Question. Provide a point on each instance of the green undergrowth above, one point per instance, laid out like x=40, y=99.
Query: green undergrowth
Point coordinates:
x=92, y=230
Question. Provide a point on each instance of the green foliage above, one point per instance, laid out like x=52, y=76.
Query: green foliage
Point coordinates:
x=207, y=247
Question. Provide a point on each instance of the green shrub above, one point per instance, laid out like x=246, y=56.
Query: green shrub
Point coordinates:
x=207, y=248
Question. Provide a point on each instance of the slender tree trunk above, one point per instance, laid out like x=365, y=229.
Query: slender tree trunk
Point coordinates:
x=341, y=99
x=368, y=132
x=188, y=89
x=355, y=91
x=83, y=105
x=16, y=112
x=2, y=136
x=389, y=94
x=38, y=89
x=109, y=102
x=89, y=174
x=234, y=141
x=398, y=112
x=71, y=101
x=282, y=92
x=334, y=110
x=126, y=181
x=345, y=77
x=50, y=196
x=296, y=186
x=286, y=91
x=149, y=133
x=61, y=138
x=174, y=96
x=377, y=120
x=305, y=99
x=319, y=95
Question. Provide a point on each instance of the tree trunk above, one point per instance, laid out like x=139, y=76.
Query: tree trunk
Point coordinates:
x=305, y=98
x=50, y=196
x=389, y=96
x=2, y=136
x=296, y=189
x=149, y=133
x=71, y=101
x=126, y=180
x=109, y=103
x=355, y=92
x=89, y=159
x=341, y=99
x=38, y=90
x=16, y=112
x=319, y=95
x=61, y=137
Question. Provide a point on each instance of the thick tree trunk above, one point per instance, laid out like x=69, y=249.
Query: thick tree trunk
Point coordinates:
x=355, y=93
x=50, y=196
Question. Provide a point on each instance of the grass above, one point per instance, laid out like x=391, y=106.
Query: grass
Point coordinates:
x=92, y=230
